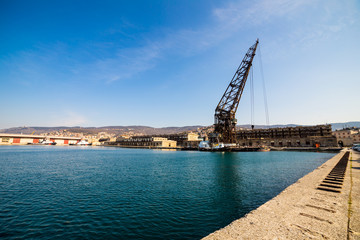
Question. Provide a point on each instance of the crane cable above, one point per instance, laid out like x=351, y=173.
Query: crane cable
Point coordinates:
x=252, y=108
x=264, y=89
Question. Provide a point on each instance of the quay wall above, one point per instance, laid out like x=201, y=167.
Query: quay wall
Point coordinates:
x=301, y=211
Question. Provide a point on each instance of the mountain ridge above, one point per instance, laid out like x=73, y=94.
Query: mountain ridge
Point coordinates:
x=148, y=130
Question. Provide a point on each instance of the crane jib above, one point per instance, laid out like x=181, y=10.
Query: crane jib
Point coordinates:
x=225, y=120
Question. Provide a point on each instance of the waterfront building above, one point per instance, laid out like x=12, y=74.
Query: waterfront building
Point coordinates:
x=144, y=141
x=309, y=136
x=356, y=138
x=187, y=140
x=60, y=140
x=347, y=136
x=23, y=139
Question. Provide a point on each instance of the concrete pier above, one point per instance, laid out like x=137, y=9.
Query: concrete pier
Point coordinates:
x=304, y=211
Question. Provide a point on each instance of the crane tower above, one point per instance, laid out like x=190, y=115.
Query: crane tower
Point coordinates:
x=225, y=121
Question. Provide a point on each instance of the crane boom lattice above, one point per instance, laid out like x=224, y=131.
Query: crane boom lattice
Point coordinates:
x=225, y=121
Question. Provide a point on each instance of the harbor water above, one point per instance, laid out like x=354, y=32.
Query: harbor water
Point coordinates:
x=53, y=192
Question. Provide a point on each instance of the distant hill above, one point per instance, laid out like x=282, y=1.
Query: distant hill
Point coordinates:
x=336, y=126
x=146, y=130
x=29, y=130
x=94, y=130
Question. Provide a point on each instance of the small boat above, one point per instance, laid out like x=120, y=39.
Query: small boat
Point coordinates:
x=48, y=142
x=264, y=149
x=204, y=145
x=218, y=146
x=83, y=143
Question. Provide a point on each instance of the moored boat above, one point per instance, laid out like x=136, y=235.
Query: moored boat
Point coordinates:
x=83, y=143
x=264, y=149
x=48, y=142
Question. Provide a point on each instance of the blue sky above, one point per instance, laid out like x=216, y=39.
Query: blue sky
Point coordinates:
x=167, y=63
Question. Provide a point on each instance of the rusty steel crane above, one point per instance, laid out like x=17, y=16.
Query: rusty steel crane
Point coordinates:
x=225, y=121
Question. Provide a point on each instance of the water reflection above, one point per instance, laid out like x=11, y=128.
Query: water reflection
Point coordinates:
x=165, y=150
x=229, y=181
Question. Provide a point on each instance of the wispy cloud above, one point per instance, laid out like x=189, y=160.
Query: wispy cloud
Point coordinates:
x=237, y=15
x=331, y=19
x=127, y=63
x=227, y=21
x=67, y=118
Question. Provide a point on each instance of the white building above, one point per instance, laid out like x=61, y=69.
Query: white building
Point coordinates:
x=23, y=139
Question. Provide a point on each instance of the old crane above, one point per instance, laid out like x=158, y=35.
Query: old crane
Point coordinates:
x=225, y=121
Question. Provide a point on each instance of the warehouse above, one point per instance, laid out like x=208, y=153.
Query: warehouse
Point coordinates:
x=145, y=141
x=309, y=136
x=23, y=139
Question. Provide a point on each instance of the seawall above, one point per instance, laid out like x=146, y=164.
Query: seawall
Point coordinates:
x=302, y=211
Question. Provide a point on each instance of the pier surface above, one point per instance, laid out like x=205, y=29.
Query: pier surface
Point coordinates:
x=303, y=211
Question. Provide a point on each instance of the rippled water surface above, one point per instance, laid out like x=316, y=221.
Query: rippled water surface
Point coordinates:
x=53, y=192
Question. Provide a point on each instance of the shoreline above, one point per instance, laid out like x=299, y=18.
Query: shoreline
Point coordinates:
x=285, y=149
x=242, y=149
x=301, y=211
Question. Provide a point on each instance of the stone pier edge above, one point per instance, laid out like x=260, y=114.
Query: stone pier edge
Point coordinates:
x=287, y=216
